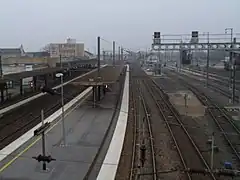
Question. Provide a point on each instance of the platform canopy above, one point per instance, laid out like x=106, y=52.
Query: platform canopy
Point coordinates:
x=25, y=74
x=107, y=75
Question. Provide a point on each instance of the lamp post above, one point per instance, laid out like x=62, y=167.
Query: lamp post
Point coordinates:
x=60, y=75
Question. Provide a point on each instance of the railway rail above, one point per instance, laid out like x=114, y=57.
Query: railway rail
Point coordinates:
x=19, y=121
x=220, y=87
x=143, y=158
x=223, y=121
x=135, y=134
x=16, y=122
x=189, y=153
x=51, y=83
x=222, y=81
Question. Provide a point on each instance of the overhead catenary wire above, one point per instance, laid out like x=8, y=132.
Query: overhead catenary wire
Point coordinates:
x=110, y=43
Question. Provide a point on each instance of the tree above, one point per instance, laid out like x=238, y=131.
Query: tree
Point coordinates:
x=46, y=48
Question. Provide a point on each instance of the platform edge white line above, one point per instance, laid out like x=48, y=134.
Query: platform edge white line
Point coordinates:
x=28, y=135
x=110, y=164
x=18, y=104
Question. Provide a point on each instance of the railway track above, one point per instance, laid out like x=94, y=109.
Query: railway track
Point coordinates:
x=10, y=130
x=51, y=83
x=143, y=163
x=189, y=153
x=223, y=121
x=221, y=86
x=135, y=134
x=19, y=121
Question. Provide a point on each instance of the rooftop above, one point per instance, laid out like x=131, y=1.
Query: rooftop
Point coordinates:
x=19, y=50
x=10, y=50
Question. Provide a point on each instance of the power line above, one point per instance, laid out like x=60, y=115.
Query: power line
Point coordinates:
x=106, y=41
x=110, y=42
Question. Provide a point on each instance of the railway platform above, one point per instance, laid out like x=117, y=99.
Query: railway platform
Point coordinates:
x=85, y=130
x=19, y=92
x=107, y=75
x=100, y=79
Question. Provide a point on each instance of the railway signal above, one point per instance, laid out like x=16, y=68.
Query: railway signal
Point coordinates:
x=157, y=37
x=143, y=154
x=194, y=38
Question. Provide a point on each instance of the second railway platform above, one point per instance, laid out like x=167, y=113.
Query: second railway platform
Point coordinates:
x=85, y=129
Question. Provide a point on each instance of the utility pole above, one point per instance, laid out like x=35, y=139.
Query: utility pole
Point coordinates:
x=231, y=65
x=208, y=54
x=41, y=131
x=60, y=61
x=159, y=61
x=103, y=56
x=99, y=75
x=122, y=54
x=43, y=141
x=212, y=151
x=181, y=51
x=234, y=80
x=98, y=54
x=1, y=70
x=63, y=112
x=119, y=53
x=1, y=76
x=113, y=53
x=62, y=103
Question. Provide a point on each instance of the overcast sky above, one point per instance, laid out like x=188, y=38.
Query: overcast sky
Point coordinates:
x=131, y=23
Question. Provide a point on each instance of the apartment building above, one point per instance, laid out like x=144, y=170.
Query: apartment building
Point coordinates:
x=67, y=50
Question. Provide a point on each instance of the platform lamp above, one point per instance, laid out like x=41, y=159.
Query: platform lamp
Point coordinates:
x=60, y=75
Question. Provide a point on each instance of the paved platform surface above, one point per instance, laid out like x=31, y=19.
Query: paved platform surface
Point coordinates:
x=85, y=128
x=193, y=106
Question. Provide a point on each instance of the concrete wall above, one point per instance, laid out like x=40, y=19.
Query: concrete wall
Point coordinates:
x=5, y=56
x=79, y=50
x=28, y=60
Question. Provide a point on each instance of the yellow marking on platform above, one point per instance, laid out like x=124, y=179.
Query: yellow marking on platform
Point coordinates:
x=38, y=138
x=18, y=155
